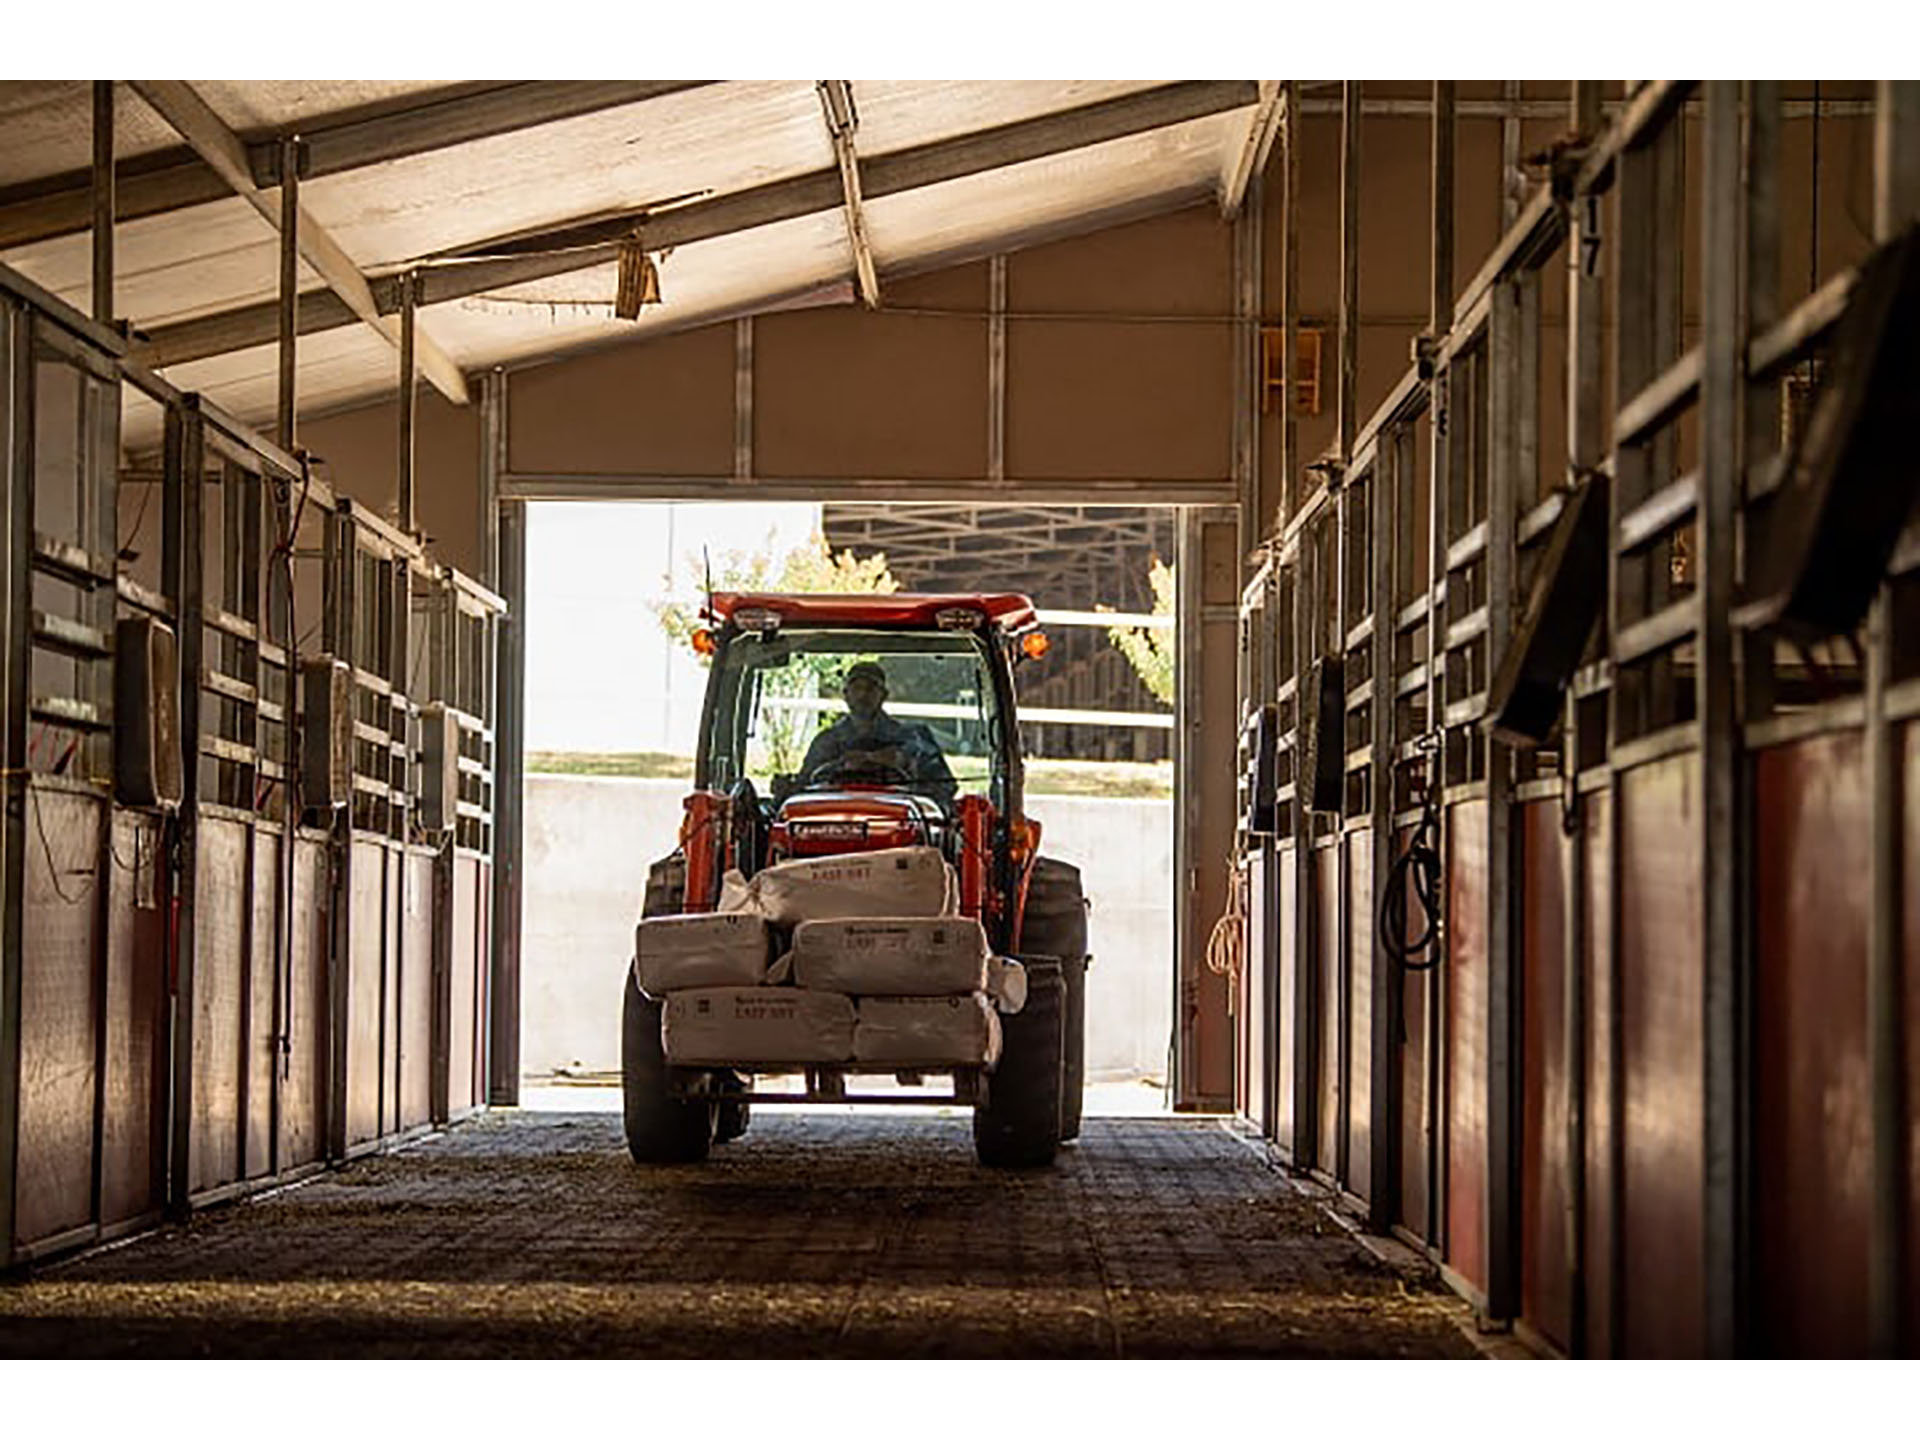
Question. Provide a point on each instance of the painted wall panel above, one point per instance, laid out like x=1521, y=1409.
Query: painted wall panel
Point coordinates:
x=304, y=1090
x=1360, y=1012
x=1466, y=1031
x=132, y=1141
x=1908, y=754
x=1602, y=1123
x=1256, y=1011
x=847, y=393
x=1661, y=1082
x=1545, y=1262
x=220, y=909
x=1416, y=991
x=1327, y=962
x=664, y=407
x=1126, y=268
x=416, y=993
x=59, y=1009
x=262, y=978
x=468, y=1026
x=1287, y=1019
x=365, y=953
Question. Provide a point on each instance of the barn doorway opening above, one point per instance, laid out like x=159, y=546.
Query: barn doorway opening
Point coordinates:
x=613, y=701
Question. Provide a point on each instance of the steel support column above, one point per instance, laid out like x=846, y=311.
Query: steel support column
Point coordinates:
x=289, y=291
x=503, y=1018
x=16, y=583
x=409, y=400
x=103, y=201
x=1896, y=154
x=997, y=368
x=1383, y=1094
x=743, y=398
x=493, y=464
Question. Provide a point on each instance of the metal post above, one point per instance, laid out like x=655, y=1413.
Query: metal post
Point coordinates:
x=1290, y=304
x=493, y=464
x=409, y=398
x=743, y=398
x=289, y=288
x=1306, y=582
x=503, y=1017
x=1724, y=367
x=997, y=368
x=1441, y=444
x=1247, y=247
x=1584, y=421
x=103, y=201
x=1383, y=1120
x=16, y=583
x=1348, y=401
x=1896, y=155
x=182, y=544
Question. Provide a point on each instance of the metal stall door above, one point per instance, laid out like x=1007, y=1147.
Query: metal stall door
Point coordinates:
x=59, y=880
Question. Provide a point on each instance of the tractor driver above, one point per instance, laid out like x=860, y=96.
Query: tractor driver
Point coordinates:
x=866, y=737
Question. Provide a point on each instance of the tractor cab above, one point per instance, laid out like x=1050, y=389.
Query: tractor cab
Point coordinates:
x=838, y=723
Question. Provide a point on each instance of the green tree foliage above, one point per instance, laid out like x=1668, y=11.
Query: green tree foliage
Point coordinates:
x=1151, y=651
x=812, y=568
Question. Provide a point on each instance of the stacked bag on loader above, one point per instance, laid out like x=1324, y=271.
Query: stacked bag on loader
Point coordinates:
x=879, y=969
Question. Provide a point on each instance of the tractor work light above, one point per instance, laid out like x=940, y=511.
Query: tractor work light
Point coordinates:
x=704, y=643
x=758, y=618
x=1034, y=644
x=958, y=617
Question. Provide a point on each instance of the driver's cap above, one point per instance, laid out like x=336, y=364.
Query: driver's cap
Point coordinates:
x=868, y=668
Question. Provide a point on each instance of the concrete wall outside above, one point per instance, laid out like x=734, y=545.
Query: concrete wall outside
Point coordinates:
x=589, y=842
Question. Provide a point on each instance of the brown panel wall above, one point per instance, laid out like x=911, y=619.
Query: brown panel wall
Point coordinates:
x=1602, y=1136
x=132, y=1139
x=361, y=451
x=304, y=1091
x=367, y=880
x=466, y=1035
x=1813, y=1113
x=1661, y=1084
x=664, y=407
x=1327, y=957
x=416, y=993
x=262, y=980
x=1094, y=399
x=1466, y=1030
x=1546, y=1292
x=1256, y=1009
x=219, y=979
x=59, y=1006
x=390, y=981
x=847, y=393
x=1360, y=1012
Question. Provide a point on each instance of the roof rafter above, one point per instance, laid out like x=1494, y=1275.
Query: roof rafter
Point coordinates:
x=1250, y=156
x=587, y=245
x=181, y=106
x=179, y=179
x=836, y=100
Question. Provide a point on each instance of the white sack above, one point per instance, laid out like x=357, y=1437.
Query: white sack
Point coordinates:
x=756, y=1025
x=908, y=880
x=1006, y=984
x=942, y=955
x=913, y=1030
x=687, y=952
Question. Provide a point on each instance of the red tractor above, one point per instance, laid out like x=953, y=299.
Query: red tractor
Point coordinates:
x=924, y=750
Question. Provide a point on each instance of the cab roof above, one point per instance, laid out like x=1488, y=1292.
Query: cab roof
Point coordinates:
x=1008, y=611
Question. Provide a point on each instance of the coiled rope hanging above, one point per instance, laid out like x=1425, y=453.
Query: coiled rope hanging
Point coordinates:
x=1227, y=945
x=1417, y=871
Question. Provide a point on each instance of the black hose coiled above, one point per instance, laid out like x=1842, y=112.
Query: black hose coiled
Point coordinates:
x=1418, y=867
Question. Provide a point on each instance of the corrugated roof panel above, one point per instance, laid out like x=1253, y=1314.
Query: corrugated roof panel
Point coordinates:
x=46, y=128
x=895, y=114
x=270, y=104
x=716, y=138
x=1021, y=204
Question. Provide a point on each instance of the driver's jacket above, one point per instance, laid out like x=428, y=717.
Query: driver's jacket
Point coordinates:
x=910, y=748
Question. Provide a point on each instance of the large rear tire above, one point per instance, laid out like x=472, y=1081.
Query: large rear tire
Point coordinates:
x=660, y=1129
x=1019, y=1125
x=1056, y=924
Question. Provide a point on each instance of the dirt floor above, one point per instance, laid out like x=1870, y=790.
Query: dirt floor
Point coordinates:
x=817, y=1234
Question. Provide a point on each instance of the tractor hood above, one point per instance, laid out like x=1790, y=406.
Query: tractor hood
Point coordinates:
x=832, y=822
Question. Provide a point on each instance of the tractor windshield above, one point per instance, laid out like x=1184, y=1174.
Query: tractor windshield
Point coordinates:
x=799, y=709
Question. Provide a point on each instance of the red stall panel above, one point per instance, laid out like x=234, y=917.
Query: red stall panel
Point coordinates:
x=132, y=1140
x=1910, y=898
x=1414, y=992
x=59, y=1010
x=1326, y=883
x=1466, y=1026
x=262, y=981
x=1360, y=1012
x=1813, y=1117
x=1284, y=1011
x=1546, y=1288
x=467, y=1024
x=1661, y=1082
x=1601, y=1133
x=366, y=944
x=416, y=992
